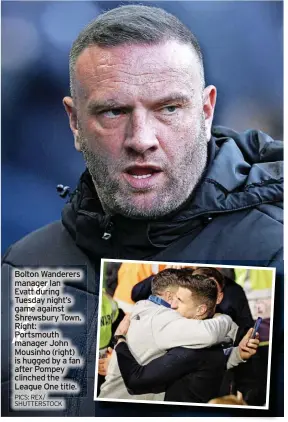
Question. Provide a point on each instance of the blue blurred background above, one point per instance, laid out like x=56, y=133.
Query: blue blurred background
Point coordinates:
x=242, y=44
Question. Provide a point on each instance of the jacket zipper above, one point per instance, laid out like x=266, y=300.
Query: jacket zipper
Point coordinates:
x=107, y=227
x=108, y=230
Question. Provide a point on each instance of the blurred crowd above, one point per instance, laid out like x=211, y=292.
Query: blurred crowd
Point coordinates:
x=242, y=44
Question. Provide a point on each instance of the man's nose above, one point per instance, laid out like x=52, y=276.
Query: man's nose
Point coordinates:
x=141, y=135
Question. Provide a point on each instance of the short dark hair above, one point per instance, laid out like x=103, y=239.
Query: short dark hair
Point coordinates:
x=164, y=279
x=133, y=24
x=212, y=273
x=203, y=289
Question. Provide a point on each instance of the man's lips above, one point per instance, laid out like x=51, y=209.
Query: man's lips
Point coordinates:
x=142, y=171
x=142, y=177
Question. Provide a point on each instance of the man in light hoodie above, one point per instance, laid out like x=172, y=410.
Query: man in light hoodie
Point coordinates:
x=155, y=328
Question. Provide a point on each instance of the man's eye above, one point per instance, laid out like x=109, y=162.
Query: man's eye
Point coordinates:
x=113, y=114
x=171, y=109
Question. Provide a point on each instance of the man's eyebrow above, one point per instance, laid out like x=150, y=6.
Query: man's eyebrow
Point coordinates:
x=95, y=106
x=174, y=97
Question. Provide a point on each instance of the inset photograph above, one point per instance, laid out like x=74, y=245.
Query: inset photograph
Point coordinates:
x=188, y=334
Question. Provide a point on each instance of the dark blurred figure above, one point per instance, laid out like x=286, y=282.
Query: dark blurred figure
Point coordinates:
x=112, y=276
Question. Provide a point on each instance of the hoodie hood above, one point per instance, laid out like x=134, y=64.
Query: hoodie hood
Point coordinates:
x=244, y=170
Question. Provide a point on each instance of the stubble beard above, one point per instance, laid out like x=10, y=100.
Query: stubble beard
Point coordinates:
x=114, y=197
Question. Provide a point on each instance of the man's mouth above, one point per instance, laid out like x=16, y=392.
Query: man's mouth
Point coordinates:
x=140, y=173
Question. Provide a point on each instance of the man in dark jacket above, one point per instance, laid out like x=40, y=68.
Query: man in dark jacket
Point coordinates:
x=160, y=183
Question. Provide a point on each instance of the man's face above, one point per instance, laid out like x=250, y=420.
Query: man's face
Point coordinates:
x=185, y=303
x=142, y=125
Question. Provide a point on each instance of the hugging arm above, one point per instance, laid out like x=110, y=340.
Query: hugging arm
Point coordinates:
x=157, y=374
x=197, y=334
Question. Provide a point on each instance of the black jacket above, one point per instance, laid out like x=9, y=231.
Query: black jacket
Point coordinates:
x=186, y=375
x=234, y=215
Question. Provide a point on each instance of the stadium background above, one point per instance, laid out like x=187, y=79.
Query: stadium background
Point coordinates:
x=242, y=44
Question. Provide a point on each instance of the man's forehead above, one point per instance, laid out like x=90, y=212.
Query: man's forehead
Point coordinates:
x=134, y=60
x=184, y=294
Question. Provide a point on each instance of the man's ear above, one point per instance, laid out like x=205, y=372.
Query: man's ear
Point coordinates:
x=169, y=296
x=73, y=121
x=219, y=298
x=209, y=102
x=201, y=310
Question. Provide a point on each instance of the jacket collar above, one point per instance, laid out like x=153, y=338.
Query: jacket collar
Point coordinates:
x=118, y=236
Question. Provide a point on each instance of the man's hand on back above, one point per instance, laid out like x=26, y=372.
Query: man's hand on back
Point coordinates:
x=123, y=327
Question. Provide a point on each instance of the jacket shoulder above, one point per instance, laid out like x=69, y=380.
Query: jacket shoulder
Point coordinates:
x=256, y=145
x=49, y=245
x=255, y=234
x=273, y=211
